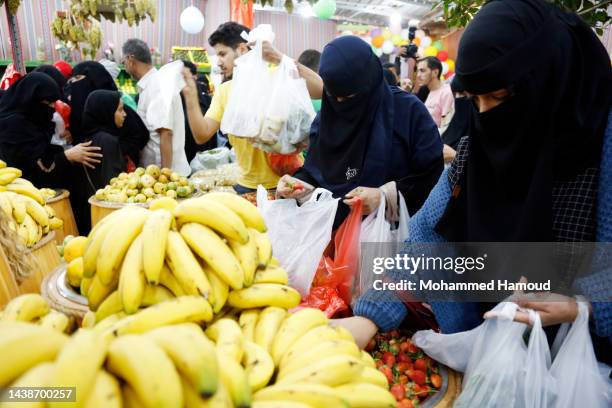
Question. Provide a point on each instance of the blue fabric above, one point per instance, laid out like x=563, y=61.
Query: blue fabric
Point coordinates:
x=387, y=311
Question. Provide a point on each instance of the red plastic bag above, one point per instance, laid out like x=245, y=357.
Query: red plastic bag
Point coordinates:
x=333, y=282
x=285, y=163
x=64, y=110
x=11, y=75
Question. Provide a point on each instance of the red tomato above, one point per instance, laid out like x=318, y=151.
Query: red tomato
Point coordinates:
x=404, y=346
x=404, y=357
x=395, y=333
x=403, y=379
x=403, y=366
x=387, y=372
x=417, y=376
x=405, y=403
x=399, y=392
x=389, y=359
x=371, y=345
x=412, y=348
x=420, y=364
x=436, y=381
x=379, y=363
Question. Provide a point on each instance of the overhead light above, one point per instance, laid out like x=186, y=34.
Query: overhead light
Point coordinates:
x=396, y=19
x=305, y=10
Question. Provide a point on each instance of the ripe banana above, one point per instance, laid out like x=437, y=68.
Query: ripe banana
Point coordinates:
x=56, y=321
x=23, y=181
x=5, y=204
x=186, y=268
x=267, y=326
x=147, y=369
x=168, y=280
x=213, y=215
x=364, y=395
x=25, y=345
x=210, y=247
x=131, y=278
x=367, y=359
x=37, y=376
x=228, y=336
x=105, y=326
x=321, y=351
x=293, y=328
x=111, y=305
x=248, y=257
x=314, y=337
x=106, y=392
x=55, y=223
x=129, y=397
x=272, y=274
x=279, y=404
x=258, y=365
x=25, y=308
x=98, y=291
x=19, y=208
x=154, y=238
x=32, y=229
x=85, y=285
x=264, y=248
x=265, y=294
x=193, y=354
x=221, y=399
x=235, y=379
x=36, y=211
x=126, y=228
x=247, y=322
x=246, y=211
x=89, y=320
x=8, y=175
x=373, y=376
x=315, y=395
x=177, y=310
x=95, y=240
x=74, y=272
x=219, y=289
x=78, y=363
x=332, y=371
x=26, y=190
x=2, y=164
x=155, y=294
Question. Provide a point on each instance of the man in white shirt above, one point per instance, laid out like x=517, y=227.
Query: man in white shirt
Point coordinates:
x=166, y=122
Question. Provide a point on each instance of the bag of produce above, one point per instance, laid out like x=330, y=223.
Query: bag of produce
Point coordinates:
x=210, y=159
x=299, y=234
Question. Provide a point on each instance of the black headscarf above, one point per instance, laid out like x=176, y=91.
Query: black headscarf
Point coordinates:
x=460, y=123
x=54, y=73
x=360, y=124
x=100, y=111
x=551, y=128
x=24, y=120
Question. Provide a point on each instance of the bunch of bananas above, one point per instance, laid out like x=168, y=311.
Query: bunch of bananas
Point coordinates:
x=25, y=206
x=33, y=308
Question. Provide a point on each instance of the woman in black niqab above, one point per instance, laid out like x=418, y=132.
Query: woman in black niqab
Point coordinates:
x=57, y=76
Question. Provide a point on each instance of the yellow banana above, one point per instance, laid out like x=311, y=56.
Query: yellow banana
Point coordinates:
x=235, y=379
x=155, y=294
x=293, y=328
x=24, y=346
x=5, y=204
x=213, y=215
x=274, y=262
x=280, y=404
x=106, y=392
x=74, y=272
x=8, y=175
x=32, y=228
x=373, y=376
x=247, y=322
x=154, y=238
x=272, y=274
x=248, y=257
x=131, y=278
x=19, y=208
x=168, y=280
x=95, y=240
x=314, y=337
x=193, y=354
x=315, y=395
x=125, y=229
x=321, y=351
x=75, y=248
x=2, y=164
x=23, y=181
x=246, y=211
x=228, y=336
x=110, y=305
x=332, y=371
x=56, y=321
x=264, y=294
x=36, y=211
x=264, y=248
x=89, y=320
x=55, y=223
x=210, y=247
x=78, y=363
x=177, y=310
x=364, y=395
x=367, y=359
x=218, y=287
x=258, y=365
x=38, y=376
x=26, y=190
x=147, y=369
x=85, y=286
x=186, y=268
x=25, y=308
x=129, y=397
x=104, y=326
x=98, y=292
x=267, y=326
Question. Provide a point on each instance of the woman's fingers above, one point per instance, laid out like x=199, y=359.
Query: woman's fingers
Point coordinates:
x=522, y=317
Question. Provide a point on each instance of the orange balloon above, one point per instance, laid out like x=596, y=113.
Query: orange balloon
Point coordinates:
x=417, y=41
x=378, y=41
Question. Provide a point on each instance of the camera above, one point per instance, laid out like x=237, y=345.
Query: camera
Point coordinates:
x=410, y=50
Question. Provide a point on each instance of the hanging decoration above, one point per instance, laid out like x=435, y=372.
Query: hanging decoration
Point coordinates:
x=192, y=20
x=13, y=5
x=324, y=9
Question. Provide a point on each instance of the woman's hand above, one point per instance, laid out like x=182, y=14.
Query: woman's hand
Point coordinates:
x=553, y=309
x=369, y=196
x=85, y=154
x=290, y=187
x=269, y=53
x=449, y=154
x=361, y=328
x=67, y=136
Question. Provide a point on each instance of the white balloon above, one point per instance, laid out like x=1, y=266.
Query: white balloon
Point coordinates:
x=419, y=34
x=192, y=20
x=388, y=47
x=378, y=52
x=405, y=34
x=444, y=67
x=425, y=41
x=395, y=27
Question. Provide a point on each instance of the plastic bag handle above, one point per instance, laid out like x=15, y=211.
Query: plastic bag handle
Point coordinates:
x=320, y=194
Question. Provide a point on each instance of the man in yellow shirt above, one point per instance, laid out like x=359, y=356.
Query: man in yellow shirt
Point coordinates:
x=229, y=45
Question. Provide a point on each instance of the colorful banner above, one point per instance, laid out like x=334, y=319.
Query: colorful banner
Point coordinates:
x=241, y=12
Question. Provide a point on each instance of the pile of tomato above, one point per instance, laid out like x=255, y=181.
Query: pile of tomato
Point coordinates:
x=412, y=375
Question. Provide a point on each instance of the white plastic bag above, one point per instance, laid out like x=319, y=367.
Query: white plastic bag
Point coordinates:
x=376, y=228
x=299, y=234
x=578, y=374
x=210, y=159
x=171, y=82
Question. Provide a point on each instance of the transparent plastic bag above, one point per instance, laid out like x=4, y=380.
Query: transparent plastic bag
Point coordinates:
x=210, y=159
x=299, y=234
